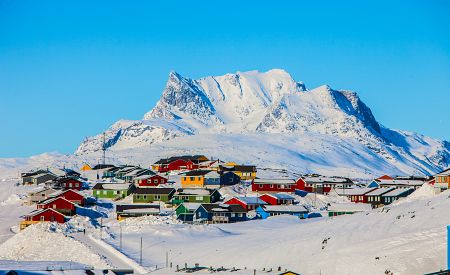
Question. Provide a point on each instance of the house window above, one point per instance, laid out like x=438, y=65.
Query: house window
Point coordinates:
x=191, y=178
x=271, y=186
x=199, y=198
x=105, y=192
x=70, y=185
x=54, y=206
x=260, y=186
x=145, y=197
x=52, y=218
x=157, y=197
x=155, y=181
x=232, y=215
x=42, y=218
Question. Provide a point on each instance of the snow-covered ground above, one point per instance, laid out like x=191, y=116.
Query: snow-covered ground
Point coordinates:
x=406, y=238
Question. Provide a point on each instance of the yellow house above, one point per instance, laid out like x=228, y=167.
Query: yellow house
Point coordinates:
x=231, y=164
x=86, y=167
x=245, y=172
x=443, y=179
x=194, y=179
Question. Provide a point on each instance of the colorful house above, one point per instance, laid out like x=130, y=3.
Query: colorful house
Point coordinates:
x=245, y=172
x=196, y=195
x=124, y=211
x=130, y=176
x=278, y=199
x=219, y=213
x=398, y=182
x=265, y=211
x=249, y=203
x=442, y=180
x=395, y=194
x=42, y=215
x=185, y=211
x=337, y=209
x=70, y=195
x=112, y=190
x=86, y=167
x=374, y=197
x=274, y=185
x=150, y=180
x=153, y=194
x=323, y=185
x=59, y=204
x=194, y=179
x=178, y=163
x=41, y=195
x=70, y=183
x=355, y=194
x=37, y=177
x=110, y=172
x=229, y=179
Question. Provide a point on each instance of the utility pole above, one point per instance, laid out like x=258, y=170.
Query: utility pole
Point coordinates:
x=101, y=227
x=140, y=254
x=120, y=236
x=104, y=149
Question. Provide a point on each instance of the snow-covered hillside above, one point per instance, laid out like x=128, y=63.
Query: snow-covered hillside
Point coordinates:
x=279, y=120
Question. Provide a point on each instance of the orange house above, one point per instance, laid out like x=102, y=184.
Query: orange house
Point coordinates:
x=443, y=179
x=194, y=179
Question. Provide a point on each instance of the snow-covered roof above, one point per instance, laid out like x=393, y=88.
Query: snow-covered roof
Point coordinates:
x=354, y=191
x=281, y=196
x=380, y=191
x=191, y=205
x=251, y=200
x=112, y=186
x=444, y=173
x=400, y=182
x=285, y=208
x=349, y=207
x=142, y=210
x=274, y=181
x=397, y=192
x=326, y=179
x=194, y=191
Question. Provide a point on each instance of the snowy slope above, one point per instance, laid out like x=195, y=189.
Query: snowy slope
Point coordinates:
x=267, y=111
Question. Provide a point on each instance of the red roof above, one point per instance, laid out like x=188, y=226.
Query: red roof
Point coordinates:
x=385, y=177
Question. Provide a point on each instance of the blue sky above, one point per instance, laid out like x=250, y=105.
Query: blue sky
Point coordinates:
x=69, y=69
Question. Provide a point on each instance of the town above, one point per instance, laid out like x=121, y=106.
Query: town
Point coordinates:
x=197, y=190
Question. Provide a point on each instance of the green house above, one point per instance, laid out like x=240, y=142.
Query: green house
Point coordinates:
x=185, y=211
x=148, y=195
x=112, y=190
x=196, y=195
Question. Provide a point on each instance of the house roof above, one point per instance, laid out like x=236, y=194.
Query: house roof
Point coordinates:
x=245, y=168
x=274, y=181
x=50, y=200
x=46, y=189
x=195, y=191
x=195, y=158
x=397, y=192
x=409, y=182
x=102, y=166
x=60, y=192
x=380, y=191
x=349, y=207
x=216, y=207
x=192, y=206
x=354, y=191
x=251, y=200
x=327, y=180
x=285, y=208
x=281, y=196
x=39, y=211
x=197, y=173
x=156, y=190
x=111, y=186
x=444, y=173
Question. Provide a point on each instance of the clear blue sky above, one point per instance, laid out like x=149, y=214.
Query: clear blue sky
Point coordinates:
x=69, y=69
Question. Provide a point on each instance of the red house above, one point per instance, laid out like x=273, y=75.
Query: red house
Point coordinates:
x=322, y=185
x=274, y=185
x=150, y=180
x=59, y=204
x=71, y=183
x=178, y=163
x=356, y=194
x=277, y=199
x=42, y=215
x=70, y=195
x=249, y=203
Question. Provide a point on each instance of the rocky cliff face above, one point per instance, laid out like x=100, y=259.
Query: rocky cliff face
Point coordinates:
x=261, y=103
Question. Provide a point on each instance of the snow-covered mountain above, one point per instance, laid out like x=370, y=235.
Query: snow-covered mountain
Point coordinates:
x=270, y=119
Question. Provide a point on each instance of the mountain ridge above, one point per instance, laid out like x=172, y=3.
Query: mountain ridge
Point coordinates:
x=269, y=103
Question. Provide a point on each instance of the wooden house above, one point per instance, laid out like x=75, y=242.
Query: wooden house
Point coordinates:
x=395, y=194
x=112, y=190
x=323, y=185
x=399, y=182
x=249, y=203
x=265, y=211
x=41, y=195
x=150, y=180
x=374, y=197
x=274, y=185
x=178, y=163
x=86, y=167
x=196, y=195
x=245, y=172
x=130, y=176
x=229, y=179
x=70, y=195
x=153, y=194
x=442, y=180
x=137, y=210
x=110, y=172
x=278, y=199
x=42, y=215
x=69, y=183
x=59, y=204
x=220, y=213
x=194, y=179
x=211, y=179
x=355, y=194
x=120, y=174
x=337, y=209
x=185, y=211
x=38, y=177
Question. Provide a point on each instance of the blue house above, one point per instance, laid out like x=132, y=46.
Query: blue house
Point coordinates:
x=220, y=213
x=229, y=178
x=265, y=211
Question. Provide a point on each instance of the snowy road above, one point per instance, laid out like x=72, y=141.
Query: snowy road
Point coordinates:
x=113, y=257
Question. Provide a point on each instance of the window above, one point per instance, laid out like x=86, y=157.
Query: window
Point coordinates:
x=138, y=197
x=199, y=198
x=232, y=215
x=42, y=218
x=271, y=186
x=145, y=197
x=157, y=197
x=54, y=206
x=105, y=192
x=70, y=185
x=191, y=178
x=260, y=186
x=155, y=181
x=52, y=218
